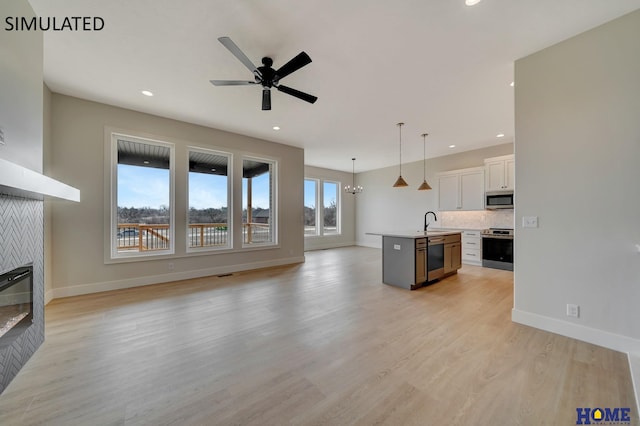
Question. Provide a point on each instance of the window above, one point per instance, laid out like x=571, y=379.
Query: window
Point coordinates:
x=209, y=194
x=258, y=202
x=326, y=220
x=142, y=190
x=310, y=203
x=330, y=208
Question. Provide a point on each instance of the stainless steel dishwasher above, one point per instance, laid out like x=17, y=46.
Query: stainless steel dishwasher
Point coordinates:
x=435, y=258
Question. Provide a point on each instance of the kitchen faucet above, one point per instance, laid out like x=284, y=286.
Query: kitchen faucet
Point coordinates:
x=426, y=225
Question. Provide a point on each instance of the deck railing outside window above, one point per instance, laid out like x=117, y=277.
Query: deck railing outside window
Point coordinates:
x=208, y=235
x=256, y=233
x=141, y=237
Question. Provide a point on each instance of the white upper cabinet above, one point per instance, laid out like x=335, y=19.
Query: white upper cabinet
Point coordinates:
x=500, y=173
x=461, y=189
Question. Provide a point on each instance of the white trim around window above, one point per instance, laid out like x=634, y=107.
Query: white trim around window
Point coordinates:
x=213, y=235
x=141, y=240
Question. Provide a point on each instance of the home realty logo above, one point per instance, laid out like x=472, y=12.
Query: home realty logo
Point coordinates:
x=66, y=23
x=606, y=416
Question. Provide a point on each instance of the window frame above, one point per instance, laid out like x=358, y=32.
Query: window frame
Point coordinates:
x=230, y=233
x=320, y=207
x=114, y=255
x=316, y=183
x=338, y=207
x=273, y=202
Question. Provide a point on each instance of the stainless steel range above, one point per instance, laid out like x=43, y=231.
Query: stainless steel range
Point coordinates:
x=497, y=248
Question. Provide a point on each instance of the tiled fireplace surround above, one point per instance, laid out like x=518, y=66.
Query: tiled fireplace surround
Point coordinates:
x=22, y=242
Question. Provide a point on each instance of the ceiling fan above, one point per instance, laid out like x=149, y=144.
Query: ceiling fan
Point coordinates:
x=265, y=75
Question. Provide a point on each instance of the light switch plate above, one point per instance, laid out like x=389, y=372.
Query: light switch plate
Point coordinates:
x=396, y=246
x=529, y=221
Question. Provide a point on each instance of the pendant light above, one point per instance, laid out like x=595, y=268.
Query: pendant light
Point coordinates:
x=400, y=182
x=353, y=189
x=424, y=186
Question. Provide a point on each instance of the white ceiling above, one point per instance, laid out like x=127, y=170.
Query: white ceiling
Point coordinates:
x=439, y=66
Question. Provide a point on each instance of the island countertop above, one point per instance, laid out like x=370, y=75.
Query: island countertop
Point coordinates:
x=414, y=234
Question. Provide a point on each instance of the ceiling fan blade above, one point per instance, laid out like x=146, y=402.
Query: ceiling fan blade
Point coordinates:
x=231, y=82
x=298, y=94
x=235, y=50
x=294, y=64
x=266, y=99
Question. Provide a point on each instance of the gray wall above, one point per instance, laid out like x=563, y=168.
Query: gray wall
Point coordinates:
x=80, y=235
x=384, y=208
x=21, y=220
x=577, y=169
x=347, y=210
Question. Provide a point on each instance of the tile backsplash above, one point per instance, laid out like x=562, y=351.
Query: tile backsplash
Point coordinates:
x=476, y=219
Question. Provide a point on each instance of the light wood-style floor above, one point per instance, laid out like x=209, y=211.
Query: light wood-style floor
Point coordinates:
x=324, y=342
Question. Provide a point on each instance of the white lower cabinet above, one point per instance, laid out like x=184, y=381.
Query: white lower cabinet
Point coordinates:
x=472, y=247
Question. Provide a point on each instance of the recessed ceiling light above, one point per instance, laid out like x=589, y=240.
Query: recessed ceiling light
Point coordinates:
x=147, y=93
x=276, y=127
x=471, y=2
x=452, y=146
x=500, y=135
x=513, y=83
x=146, y=161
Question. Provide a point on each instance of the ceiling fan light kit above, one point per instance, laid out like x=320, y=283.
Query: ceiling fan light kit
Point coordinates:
x=265, y=75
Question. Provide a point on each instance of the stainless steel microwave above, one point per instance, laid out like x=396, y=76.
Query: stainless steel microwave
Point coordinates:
x=498, y=200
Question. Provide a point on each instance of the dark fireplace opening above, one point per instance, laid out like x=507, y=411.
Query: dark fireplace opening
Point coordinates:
x=16, y=303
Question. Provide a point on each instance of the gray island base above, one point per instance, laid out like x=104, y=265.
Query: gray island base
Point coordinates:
x=411, y=260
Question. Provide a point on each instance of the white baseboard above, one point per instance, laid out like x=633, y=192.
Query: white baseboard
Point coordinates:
x=77, y=290
x=606, y=339
x=634, y=366
x=613, y=341
x=377, y=245
x=48, y=297
x=310, y=246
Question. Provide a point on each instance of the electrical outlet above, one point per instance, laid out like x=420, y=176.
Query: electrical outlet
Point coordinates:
x=396, y=246
x=529, y=221
x=1, y=135
x=573, y=310
x=170, y=265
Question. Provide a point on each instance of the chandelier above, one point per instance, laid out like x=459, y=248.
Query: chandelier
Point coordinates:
x=353, y=189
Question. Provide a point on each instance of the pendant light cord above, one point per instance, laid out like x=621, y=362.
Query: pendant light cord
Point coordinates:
x=400, y=130
x=353, y=173
x=424, y=156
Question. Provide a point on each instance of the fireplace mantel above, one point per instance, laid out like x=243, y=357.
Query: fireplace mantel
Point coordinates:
x=24, y=182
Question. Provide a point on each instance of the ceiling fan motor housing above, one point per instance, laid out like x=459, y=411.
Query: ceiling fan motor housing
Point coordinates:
x=268, y=74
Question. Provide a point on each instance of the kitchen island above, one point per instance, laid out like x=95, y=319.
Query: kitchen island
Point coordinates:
x=411, y=259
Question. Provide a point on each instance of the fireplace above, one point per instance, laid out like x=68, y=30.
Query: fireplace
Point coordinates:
x=16, y=303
